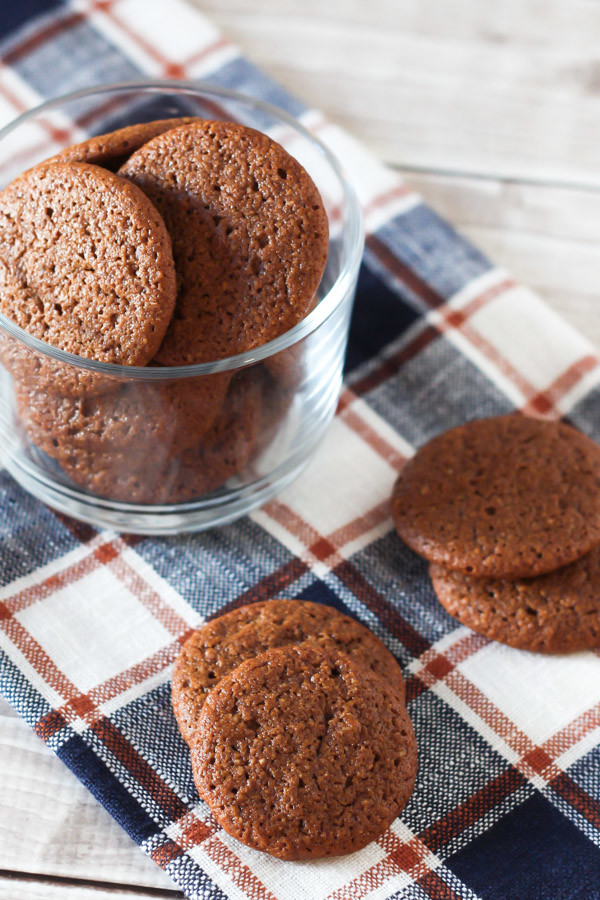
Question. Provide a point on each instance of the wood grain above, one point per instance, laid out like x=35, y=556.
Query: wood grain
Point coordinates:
x=489, y=110
x=547, y=237
x=23, y=888
x=507, y=89
x=50, y=823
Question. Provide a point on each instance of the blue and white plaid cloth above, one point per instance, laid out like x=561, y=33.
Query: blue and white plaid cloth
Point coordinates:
x=507, y=801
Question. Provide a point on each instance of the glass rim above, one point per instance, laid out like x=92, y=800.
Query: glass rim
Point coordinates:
x=351, y=253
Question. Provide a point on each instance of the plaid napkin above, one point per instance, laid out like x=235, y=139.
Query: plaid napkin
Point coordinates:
x=507, y=801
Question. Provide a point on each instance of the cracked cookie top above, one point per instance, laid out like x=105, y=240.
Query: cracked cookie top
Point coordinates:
x=304, y=753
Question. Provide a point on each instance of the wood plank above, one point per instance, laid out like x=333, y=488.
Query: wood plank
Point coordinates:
x=27, y=888
x=547, y=237
x=509, y=89
x=50, y=823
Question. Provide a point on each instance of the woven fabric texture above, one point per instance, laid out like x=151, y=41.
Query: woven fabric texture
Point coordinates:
x=507, y=800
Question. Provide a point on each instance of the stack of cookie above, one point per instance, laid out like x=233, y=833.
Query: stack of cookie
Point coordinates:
x=507, y=511
x=295, y=717
x=166, y=244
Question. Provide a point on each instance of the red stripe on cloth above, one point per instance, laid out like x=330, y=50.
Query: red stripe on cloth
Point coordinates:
x=326, y=548
x=172, y=68
x=38, y=659
x=242, y=876
x=166, y=853
x=576, y=797
x=474, y=808
x=436, y=665
x=368, y=434
x=429, y=333
x=459, y=319
x=147, y=596
x=135, y=675
x=361, y=525
x=400, y=857
x=574, y=732
x=397, y=268
x=80, y=530
x=546, y=401
x=476, y=700
x=436, y=887
x=86, y=706
x=292, y=522
x=391, y=365
x=456, y=317
x=203, y=54
x=533, y=760
x=270, y=586
x=42, y=36
x=497, y=359
x=49, y=725
x=143, y=773
x=414, y=687
x=53, y=583
x=387, y=614
x=394, y=193
x=193, y=831
x=13, y=100
x=106, y=8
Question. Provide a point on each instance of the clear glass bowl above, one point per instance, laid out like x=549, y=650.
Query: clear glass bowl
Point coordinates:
x=166, y=450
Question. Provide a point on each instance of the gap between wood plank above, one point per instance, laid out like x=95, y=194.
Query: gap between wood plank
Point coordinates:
x=108, y=886
x=528, y=181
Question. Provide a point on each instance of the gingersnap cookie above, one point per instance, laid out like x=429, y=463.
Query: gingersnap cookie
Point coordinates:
x=505, y=497
x=554, y=613
x=148, y=471
x=85, y=263
x=303, y=753
x=49, y=375
x=113, y=149
x=223, y=643
x=227, y=449
x=249, y=233
x=172, y=415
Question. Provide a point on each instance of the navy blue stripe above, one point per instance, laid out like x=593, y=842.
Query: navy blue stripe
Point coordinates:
x=13, y=15
x=107, y=789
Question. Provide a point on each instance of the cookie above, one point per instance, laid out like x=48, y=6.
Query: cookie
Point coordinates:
x=223, y=643
x=134, y=414
x=249, y=233
x=505, y=497
x=112, y=150
x=148, y=472
x=304, y=754
x=554, y=613
x=49, y=375
x=85, y=263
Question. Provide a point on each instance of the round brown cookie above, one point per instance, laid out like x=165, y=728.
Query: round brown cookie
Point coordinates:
x=554, y=613
x=51, y=375
x=249, y=232
x=303, y=754
x=223, y=643
x=505, y=497
x=133, y=415
x=227, y=448
x=85, y=263
x=112, y=150
x=148, y=472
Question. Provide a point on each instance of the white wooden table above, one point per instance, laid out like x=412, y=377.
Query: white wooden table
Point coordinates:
x=492, y=111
